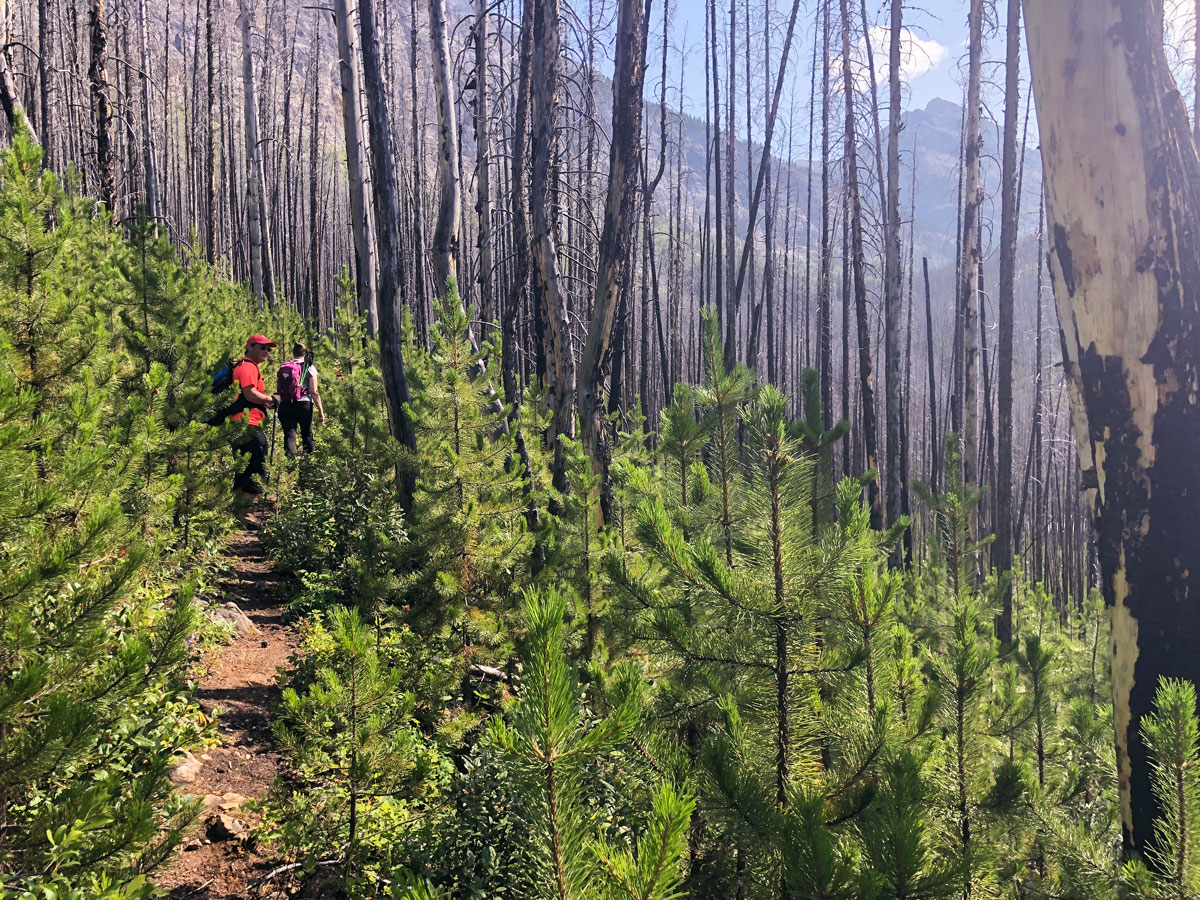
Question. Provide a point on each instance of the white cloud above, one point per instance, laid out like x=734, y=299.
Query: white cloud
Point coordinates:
x=917, y=56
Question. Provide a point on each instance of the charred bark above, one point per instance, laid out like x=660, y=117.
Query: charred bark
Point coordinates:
x=1115, y=136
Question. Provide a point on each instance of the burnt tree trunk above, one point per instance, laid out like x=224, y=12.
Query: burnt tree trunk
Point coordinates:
x=483, y=161
x=623, y=166
x=391, y=256
x=1123, y=207
x=550, y=297
x=892, y=282
x=1003, y=549
x=854, y=226
x=260, y=254
x=210, y=192
x=971, y=251
x=102, y=112
x=356, y=164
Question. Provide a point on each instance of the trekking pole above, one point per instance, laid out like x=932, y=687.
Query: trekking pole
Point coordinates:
x=274, y=422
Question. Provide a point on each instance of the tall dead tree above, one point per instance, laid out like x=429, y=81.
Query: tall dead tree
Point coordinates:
x=356, y=164
x=623, y=167
x=824, y=288
x=10, y=97
x=260, y=253
x=1002, y=551
x=102, y=113
x=1123, y=209
x=550, y=297
x=391, y=246
x=518, y=212
x=210, y=166
x=858, y=264
x=483, y=160
x=150, y=173
x=43, y=56
x=730, y=350
x=896, y=476
x=445, y=232
x=971, y=251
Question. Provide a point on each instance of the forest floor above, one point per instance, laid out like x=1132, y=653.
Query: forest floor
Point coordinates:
x=219, y=857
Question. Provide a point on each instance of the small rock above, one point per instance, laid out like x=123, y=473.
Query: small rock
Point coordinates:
x=191, y=845
x=222, y=827
x=206, y=757
x=229, y=612
x=186, y=770
x=231, y=801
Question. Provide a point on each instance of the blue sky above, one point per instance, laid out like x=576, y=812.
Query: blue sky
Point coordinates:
x=938, y=27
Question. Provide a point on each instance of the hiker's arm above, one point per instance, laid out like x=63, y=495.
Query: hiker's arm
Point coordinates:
x=316, y=395
x=257, y=397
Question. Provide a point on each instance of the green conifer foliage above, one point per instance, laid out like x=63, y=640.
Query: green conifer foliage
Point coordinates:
x=339, y=526
x=164, y=397
x=96, y=607
x=1173, y=737
x=956, y=552
x=352, y=736
x=469, y=531
x=555, y=745
x=819, y=444
x=685, y=435
x=721, y=397
x=903, y=860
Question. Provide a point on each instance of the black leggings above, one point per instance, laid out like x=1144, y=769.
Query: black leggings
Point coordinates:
x=293, y=416
x=253, y=443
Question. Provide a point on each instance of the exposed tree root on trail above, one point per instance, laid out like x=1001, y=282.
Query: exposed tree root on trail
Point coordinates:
x=219, y=858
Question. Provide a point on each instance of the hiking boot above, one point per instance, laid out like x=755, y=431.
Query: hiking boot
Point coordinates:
x=248, y=486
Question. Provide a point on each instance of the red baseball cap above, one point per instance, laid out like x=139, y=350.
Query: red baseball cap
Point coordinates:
x=259, y=339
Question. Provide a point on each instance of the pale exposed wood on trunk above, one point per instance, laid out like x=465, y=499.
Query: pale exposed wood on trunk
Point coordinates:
x=10, y=97
x=445, y=232
x=1122, y=198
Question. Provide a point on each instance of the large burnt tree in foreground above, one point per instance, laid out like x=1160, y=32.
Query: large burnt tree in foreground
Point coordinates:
x=1123, y=200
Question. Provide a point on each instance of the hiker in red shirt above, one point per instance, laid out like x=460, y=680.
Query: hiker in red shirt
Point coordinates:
x=253, y=442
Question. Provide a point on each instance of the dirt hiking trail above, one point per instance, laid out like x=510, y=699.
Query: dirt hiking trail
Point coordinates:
x=218, y=858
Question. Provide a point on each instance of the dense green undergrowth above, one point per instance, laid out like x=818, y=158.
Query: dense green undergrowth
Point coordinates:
x=113, y=509
x=724, y=693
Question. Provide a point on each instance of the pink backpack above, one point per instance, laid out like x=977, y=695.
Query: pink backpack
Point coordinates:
x=289, y=383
